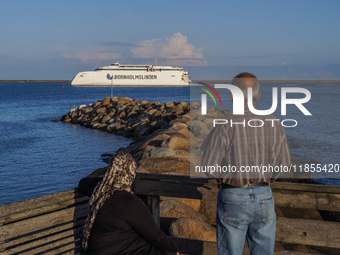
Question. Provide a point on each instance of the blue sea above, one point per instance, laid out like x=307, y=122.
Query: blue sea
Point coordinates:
x=38, y=156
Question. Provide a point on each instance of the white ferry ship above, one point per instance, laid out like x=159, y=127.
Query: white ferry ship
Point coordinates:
x=132, y=75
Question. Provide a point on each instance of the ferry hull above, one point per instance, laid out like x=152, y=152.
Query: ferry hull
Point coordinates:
x=131, y=78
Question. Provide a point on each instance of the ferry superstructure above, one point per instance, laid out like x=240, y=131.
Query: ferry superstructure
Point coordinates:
x=132, y=75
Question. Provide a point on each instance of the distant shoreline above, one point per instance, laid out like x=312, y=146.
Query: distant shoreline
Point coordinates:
x=193, y=81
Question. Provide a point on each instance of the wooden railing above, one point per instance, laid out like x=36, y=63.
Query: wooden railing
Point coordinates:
x=52, y=224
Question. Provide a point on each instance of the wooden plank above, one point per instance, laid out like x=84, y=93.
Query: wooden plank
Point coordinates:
x=290, y=253
x=197, y=247
x=173, y=178
x=42, y=222
x=305, y=187
x=310, y=200
x=174, y=189
x=287, y=198
x=50, y=231
x=308, y=232
x=55, y=242
x=43, y=209
x=28, y=203
x=152, y=202
x=72, y=248
x=276, y=185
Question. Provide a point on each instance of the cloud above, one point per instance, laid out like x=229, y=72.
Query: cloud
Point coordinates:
x=91, y=54
x=174, y=50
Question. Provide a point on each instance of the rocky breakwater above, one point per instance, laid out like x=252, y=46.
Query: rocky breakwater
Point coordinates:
x=127, y=117
x=160, y=130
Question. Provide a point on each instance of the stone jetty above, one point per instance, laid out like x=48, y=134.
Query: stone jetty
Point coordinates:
x=161, y=131
x=127, y=117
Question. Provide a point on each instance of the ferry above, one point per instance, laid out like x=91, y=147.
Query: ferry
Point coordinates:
x=132, y=75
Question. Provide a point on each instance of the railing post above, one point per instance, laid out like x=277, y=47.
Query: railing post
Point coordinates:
x=152, y=202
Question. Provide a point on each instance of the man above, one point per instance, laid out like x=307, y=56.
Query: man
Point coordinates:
x=245, y=207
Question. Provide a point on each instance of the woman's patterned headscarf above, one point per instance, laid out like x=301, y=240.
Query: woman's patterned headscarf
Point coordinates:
x=119, y=176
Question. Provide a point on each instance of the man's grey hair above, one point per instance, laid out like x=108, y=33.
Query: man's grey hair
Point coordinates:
x=246, y=80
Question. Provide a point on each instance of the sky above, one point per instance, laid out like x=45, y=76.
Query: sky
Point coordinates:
x=213, y=40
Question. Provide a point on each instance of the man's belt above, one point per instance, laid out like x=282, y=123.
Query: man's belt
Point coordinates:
x=248, y=185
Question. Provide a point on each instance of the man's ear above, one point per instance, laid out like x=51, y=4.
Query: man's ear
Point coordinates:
x=258, y=96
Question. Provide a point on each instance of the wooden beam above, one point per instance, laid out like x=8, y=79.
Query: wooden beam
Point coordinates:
x=38, y=235
x=43, y=222
x=308, y=232
x=309, y=200
x=152, y=202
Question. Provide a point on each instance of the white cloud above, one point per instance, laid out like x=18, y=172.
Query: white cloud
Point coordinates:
x=173, y=51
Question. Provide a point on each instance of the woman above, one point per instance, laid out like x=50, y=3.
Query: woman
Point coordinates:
x=118, y=221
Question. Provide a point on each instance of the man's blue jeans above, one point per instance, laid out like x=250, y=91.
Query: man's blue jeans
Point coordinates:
x=245, y=213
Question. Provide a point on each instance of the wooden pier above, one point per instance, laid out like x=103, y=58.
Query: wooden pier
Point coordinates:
x=52, y=224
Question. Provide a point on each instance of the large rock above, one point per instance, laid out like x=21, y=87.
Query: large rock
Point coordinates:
x=174, y=164
x=177, y=143
x=161, y=152
x=193, y=203
x=199, y=128
x=106, y=101
x=208, y=209
x=172, y=208
x=193, y=228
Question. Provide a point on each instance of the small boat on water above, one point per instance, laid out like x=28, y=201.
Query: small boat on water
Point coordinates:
x=132, y=75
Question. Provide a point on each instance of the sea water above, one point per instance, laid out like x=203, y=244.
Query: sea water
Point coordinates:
x=38, y=156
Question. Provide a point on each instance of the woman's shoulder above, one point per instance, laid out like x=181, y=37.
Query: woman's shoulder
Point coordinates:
x=127, y=197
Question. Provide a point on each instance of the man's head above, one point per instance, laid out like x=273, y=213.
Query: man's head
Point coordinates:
x=247, y=80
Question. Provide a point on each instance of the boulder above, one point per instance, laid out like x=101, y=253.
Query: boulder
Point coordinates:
x=105, y=119
x=172, y=208
x=208, y=209
x=155, y=140
x=193, y=203
x=174, y=164
x=106, y=101
x=177, y=143
x=193, y=228
x=144, y=132
x=101, y=110
x=169, y=104
x=199, y=128
x=123, y=100
x=66, y=118
x=161, y=152
x=178, y=126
